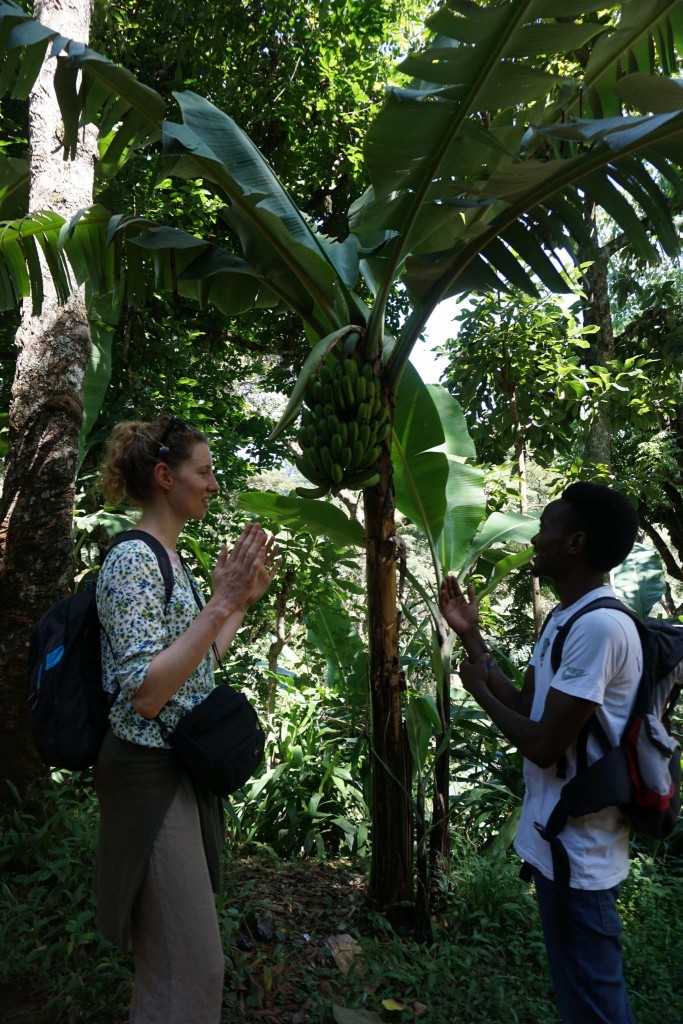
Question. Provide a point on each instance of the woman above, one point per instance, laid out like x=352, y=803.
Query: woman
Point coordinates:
x=160, y=835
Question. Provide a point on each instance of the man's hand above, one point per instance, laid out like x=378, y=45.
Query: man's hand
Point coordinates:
x=460, y=612
x=474, y=674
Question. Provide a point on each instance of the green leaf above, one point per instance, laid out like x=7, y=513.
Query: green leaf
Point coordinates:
x=503, y=567
x=14, y=187
x=434, y=488
x=304, y=514
x=501, y=528
x=640, y=580
x=215, y=148
x=422, y=723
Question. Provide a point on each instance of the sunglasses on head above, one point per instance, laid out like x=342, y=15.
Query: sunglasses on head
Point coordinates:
x=174, y=423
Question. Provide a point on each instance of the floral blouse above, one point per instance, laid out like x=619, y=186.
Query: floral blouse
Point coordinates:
x=135, y=628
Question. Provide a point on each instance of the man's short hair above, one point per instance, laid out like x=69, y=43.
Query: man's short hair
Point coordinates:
x=608, y=519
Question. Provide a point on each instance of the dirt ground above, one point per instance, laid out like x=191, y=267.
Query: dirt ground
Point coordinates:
x=292, y=950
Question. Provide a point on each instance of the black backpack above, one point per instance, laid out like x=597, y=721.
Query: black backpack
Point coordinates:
x=642, y=774
x=68, y=707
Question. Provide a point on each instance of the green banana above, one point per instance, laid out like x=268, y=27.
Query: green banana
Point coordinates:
x=350, y=367
x=310, y=473
x=336, y=446
x=326, y=459
x=349, y=394
x=370, y=457
x=357, y=452
x=382, y=432
x=313, y=492
x=316, y=391
x=339, y=398
x=358, y=481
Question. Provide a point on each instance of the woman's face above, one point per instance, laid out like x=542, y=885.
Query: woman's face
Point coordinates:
x=193, y=484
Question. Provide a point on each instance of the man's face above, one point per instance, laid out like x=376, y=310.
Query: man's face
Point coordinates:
x=551, y=543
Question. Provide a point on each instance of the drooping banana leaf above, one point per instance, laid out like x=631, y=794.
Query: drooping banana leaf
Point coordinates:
x=640, y=580
x=434, y=486
x=304, y=514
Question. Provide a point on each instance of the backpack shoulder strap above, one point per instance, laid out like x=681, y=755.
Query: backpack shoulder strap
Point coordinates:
x=159, y=550
x=593, y=725
x=563, y=631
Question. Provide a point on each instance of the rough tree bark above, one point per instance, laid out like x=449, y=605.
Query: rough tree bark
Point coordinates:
x=36, y=510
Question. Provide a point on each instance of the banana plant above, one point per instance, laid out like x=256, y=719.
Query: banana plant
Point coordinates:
x=478, y=166
x=439, y=491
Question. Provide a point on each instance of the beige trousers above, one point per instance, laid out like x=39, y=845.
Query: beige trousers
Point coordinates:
x=177, y=951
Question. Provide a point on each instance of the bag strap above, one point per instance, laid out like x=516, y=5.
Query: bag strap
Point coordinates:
x=592, y=725
x=162, y=556
x=563, y=630
x=165, y=568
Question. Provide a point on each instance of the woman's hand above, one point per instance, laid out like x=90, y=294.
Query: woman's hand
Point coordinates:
x=460, y=612
x=243, y=575
x=266, y=572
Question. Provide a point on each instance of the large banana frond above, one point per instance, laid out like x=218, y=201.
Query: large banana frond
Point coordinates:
x=467, y=194
x=648, y=38
x=127, y=113
x=92, y=249
x=274, y=234
x=311, y=274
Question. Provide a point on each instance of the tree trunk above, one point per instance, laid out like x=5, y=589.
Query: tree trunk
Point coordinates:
x=440, y=838
x=597, y=312
x=391, y=870
x=36, y=510
x=520, y=455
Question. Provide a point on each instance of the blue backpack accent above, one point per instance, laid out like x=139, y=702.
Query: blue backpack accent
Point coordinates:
x=67, y=704
x=642, y=774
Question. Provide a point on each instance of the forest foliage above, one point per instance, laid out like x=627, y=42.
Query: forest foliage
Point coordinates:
x=305, y=85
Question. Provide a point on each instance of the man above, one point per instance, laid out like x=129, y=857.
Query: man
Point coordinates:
x=583, y=535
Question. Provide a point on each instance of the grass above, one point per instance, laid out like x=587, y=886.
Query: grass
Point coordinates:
x=300, y=943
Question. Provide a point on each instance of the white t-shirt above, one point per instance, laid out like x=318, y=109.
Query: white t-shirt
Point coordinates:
x=601, y=662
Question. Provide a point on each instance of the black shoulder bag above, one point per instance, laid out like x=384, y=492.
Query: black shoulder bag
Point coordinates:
x=220, y=742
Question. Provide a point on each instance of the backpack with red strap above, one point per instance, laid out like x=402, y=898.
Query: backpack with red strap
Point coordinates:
x=642, y=774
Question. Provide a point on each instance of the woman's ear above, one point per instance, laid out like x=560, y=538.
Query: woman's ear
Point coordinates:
x=162, y=475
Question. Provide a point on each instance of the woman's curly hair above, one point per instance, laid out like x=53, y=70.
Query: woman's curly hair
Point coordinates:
x=135, y=448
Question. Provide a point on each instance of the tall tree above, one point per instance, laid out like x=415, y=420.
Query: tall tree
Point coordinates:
x=53, y=344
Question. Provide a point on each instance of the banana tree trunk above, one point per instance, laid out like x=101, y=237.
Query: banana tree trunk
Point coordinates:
x=36, y=510
x=391, y=871
x=439, y=840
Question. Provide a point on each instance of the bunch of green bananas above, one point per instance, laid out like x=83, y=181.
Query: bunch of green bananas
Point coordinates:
x=342, y=427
